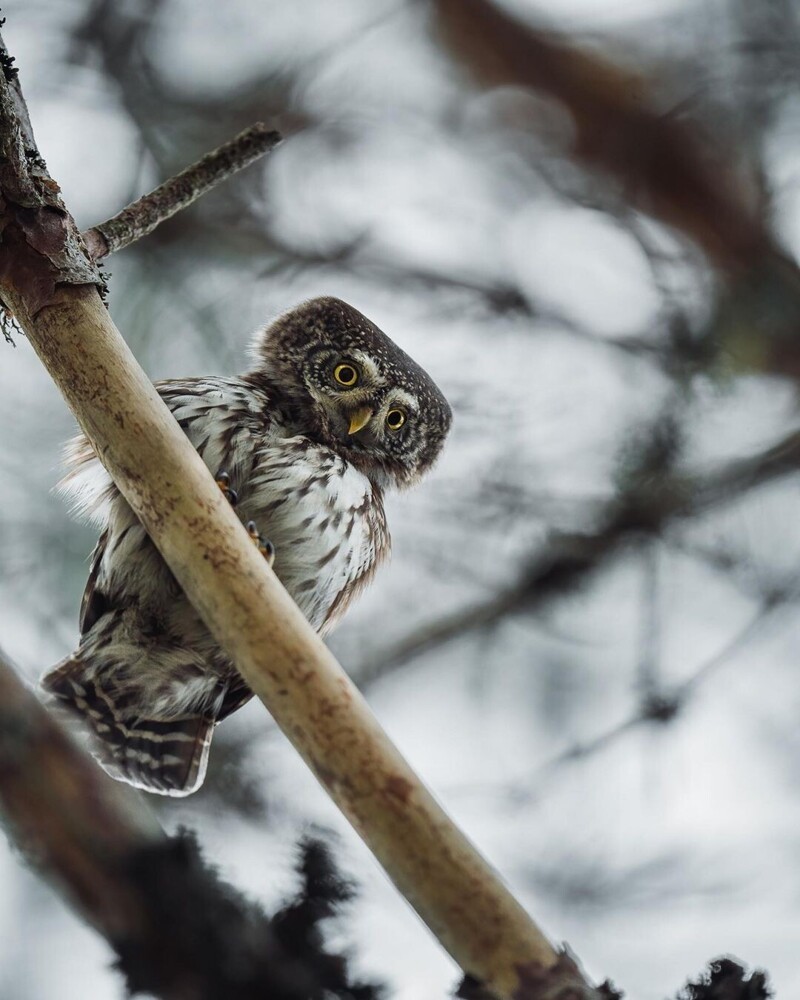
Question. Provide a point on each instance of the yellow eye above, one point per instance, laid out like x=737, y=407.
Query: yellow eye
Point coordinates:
x=346, y=375
x=395, y=419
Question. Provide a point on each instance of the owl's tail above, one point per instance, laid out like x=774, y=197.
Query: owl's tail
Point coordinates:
x=167, y=756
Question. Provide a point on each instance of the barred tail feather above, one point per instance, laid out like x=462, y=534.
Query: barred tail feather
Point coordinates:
x=167, y=756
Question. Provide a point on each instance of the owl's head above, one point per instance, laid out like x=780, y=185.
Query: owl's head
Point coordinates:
x=344, y=383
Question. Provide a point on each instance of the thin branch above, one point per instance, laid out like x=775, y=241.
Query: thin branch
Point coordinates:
x=285, y=663
x=666, y=166
x=570, y=558
x=650, y=625
x=661, y=708
x=742, y=475
x=175, y=194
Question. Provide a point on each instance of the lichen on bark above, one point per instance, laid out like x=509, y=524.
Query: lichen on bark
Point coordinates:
x=40, y=245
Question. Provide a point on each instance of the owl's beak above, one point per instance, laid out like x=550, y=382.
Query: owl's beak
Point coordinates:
x=359, y=420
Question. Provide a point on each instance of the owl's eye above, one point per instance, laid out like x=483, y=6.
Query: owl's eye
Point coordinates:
x=395, y=419
x=346, y=375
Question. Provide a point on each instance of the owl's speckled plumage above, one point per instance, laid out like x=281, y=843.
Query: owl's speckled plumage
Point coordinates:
x=148, y=678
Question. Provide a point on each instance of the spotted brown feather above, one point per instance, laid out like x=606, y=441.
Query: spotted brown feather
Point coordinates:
x=148, y=680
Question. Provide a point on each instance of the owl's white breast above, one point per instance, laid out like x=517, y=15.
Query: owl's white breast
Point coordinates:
x=322, y=515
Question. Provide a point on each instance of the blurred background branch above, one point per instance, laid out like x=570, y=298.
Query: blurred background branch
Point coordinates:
x=70, y=819
x=179, y=931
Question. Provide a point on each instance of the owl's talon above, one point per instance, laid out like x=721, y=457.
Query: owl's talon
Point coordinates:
x=224, y=483
x=264, y=545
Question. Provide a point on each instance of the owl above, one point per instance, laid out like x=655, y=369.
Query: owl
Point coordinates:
x=305, y=445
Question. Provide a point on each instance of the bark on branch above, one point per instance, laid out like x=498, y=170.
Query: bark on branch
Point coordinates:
x=451, y=886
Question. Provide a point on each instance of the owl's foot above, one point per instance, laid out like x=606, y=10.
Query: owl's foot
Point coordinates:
x=224, y=483
x=264, y=545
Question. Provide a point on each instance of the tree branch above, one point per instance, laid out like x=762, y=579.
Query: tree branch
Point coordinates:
x=663, y=165
x=570, y=558
x=149, y=211
x=76, y=822
x=434, y=865
x=95, y=840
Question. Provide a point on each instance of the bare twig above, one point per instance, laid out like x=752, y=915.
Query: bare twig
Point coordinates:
x=142, y=217
x=661, y=707
x=571, y=558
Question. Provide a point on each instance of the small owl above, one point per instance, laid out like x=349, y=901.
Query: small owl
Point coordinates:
x=305, y=445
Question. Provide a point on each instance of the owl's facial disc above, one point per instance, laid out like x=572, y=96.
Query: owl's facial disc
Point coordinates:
x=374, y=420
x=347, y=387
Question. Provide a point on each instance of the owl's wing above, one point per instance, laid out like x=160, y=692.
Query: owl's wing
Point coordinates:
x=221, y=417
x=216, y=414
x=348, y=594
x=200, y=406
x=236, y=696
x=375, y=550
